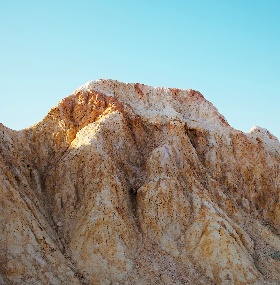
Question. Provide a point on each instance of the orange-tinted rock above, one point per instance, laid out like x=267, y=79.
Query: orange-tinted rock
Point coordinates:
x=131, y=184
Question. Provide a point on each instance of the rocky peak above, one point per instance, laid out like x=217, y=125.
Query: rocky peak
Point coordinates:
x=131, y=184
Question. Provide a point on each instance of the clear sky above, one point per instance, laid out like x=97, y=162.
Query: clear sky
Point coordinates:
x=229, y=50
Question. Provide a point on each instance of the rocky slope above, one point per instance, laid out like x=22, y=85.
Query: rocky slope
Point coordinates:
x=131, y=184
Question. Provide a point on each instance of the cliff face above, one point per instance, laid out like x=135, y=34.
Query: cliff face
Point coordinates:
x=131, y=184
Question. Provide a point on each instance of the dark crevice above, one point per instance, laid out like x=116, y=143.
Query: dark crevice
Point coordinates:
x=196, y=139
x=133, y=201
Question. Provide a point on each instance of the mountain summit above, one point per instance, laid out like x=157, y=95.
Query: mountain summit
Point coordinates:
x=131, y=184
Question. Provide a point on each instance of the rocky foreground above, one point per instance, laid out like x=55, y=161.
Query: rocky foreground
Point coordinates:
x=131, y=184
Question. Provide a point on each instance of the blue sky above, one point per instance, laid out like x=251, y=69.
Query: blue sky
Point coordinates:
x=228, y=50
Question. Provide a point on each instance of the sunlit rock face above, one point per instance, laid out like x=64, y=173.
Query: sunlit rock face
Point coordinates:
x=131, y=184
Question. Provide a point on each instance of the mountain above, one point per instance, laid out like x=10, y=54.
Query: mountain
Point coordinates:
x=131, y=184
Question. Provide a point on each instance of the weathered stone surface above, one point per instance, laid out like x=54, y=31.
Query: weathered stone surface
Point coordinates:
x=131, y=184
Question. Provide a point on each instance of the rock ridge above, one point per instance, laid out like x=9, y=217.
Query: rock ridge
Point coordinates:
x=123, y=183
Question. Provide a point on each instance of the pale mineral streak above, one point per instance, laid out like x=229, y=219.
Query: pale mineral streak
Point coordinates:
x=132, y=184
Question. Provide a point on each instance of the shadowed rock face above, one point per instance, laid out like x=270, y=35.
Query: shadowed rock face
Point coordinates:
x=131, y=184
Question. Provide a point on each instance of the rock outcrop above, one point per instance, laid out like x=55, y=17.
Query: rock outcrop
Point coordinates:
x=131, y=184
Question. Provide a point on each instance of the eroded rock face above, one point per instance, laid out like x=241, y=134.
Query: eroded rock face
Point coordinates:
x=131, y=184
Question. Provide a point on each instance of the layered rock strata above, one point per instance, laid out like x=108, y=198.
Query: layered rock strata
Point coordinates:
x=131, y=184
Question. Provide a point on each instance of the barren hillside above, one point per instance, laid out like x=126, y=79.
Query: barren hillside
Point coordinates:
x=130, y=184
